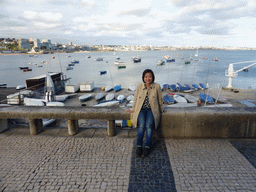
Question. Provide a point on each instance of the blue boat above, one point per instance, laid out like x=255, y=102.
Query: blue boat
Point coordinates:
x=167, y=99
x=202, y=86
x=206, y=98
x=165, y=86
x=188, y=86
x=182, y=88
x=117, y=88
x=173, y=87
x=74, y=61
x=103, y=72
x=195, y=86
x=71, y=64
x=170, y=60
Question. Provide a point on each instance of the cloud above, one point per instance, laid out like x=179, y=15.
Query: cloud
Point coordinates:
x=45, y=16
x=42, y=25
x=88, y=4
x=136, y=12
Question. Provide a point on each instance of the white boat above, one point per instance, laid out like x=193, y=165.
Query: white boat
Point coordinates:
x=161, y=62
x=132, y=88
x=108, y=88
x=130, y=98
x=110, y=97
x=179, y=99
x=98, y=59
x=33, y=102
x=219, y=98
x=60, y=98
x=69, y=68
x=20, y=87
x=107, y=104
x=120, y=97
x=219, y=105
x=191, y=98
x=99, y=96
x=85, y=97
x=196, y=55
x=55, y=104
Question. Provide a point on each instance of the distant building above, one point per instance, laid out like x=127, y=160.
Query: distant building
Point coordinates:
x=23, y=43
x=46, y=44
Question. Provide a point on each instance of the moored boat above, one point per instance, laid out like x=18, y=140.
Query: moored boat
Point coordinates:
x=161, y=62
x=74, y=61
x=69, y=68
x=108, y=88
x=120, y=97
x=179, y=99
x=167, y=99
x=110, y=97
x=99, y=96
x=117, y=88
x=98, y=59
x=85, y=97
x=206, y=98
x=21, y=68
x=25, y=70
x=121, y=66
x=103, y=72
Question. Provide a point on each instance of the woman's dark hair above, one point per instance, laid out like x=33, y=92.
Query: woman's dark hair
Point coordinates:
x=148, y=71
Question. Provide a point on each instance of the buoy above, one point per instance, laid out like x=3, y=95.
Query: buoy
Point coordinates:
x=103, y=88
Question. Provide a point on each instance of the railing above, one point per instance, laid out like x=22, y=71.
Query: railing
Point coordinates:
x=176, y=122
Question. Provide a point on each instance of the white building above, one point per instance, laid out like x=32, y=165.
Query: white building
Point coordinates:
x=23, y=43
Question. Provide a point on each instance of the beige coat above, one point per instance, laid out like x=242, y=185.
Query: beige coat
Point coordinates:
x=155, y=100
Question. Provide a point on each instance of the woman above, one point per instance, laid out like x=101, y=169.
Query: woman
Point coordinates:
x=146, y=110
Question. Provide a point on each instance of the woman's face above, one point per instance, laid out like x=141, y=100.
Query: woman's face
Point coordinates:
x=148, y=78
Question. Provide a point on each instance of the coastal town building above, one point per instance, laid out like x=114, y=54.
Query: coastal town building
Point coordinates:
x=24, y=44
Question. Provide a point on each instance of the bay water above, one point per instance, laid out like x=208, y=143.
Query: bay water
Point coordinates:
x=202, y=71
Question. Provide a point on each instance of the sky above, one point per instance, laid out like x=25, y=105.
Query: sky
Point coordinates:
x=217, y=23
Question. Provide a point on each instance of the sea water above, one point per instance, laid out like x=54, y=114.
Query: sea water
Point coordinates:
x=207, y=71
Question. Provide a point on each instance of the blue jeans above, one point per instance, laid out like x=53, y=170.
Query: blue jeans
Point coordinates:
x=145, y=122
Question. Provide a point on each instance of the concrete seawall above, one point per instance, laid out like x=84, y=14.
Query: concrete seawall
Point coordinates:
x=235, y=122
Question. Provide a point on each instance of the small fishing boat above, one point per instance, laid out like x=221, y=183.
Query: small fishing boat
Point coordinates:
x=99, y=96
x=121, y=66
x=3, y=85
x=39, y=65
x=165, y=86
x=69, y=68
x=98, y=59
x=107, y=104
x=172, y=87
x=187, y=62
x=88, y=57
x=71, y=64
x=206, y=98
x=110, y=97
x=170, y=60
x=103, y=72
x=108, y=88
x=216, y=59
x=202, y=86
x=179, y=99
x=119, y=62
x=20, y=87
x=85, y=97
x=117, y=58
x=191, y=98
x=130, y=98
x=31, y=63
x=120, y=97
x=74, y=61
x=25, y=70
x=161, y=62
x=21, y=68
x=117, y=88
x=167, y=99
x=68, y=56
x=195, y=86
x=136, y=60
x=132, y=88
x=246, y=70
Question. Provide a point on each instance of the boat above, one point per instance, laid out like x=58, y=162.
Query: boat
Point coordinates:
x=39, y=65
x=187, y=62
x=68, y=56
x=85, y=97
x=172, y=87
x=99, y=96
x=166, y=56
x=110, y=97
x=191, y=98
x=206, y=98
x=25, y=70
x=179, y=99
x=98, y=59
x=108, y=88
x=170, y=60
x=54, y=104
x=120, y=97
x=132, y=88
x=161, y=62
x=167, y=99
x=20, y=87
x=202, y=86
x=165, y=86
x=246, y=70
x=88, y=57
x=219, y=98
x=74, y=61
x=117, y=58
x=3, y=85
x=69, y=68
x=195, y=86
x=31, y=63
x=179, y=87
x=117, y=88
x=136, y=60
x=121, y=66
x=107, y=104
x=103, y=72
x=71, y=64
x=219, y=105
x=21, y=68
x=119, y=62
x=130, y=98
x=216, y=59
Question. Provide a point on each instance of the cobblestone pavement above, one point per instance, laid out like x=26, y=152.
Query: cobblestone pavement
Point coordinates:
x=54, y=161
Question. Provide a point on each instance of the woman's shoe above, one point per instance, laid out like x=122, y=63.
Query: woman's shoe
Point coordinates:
x=139, y=151
x=146, y=151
